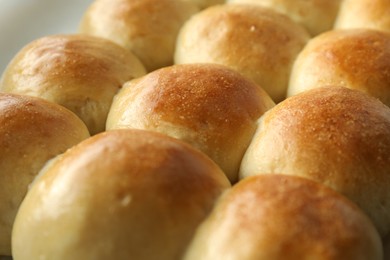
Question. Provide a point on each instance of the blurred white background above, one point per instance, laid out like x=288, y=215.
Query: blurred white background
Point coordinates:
x=22, y=21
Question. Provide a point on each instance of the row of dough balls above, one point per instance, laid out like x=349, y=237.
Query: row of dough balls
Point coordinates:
x=261, y=43
x=135, y=193
x=265, y=46
x=122, y=191
x=211, y=107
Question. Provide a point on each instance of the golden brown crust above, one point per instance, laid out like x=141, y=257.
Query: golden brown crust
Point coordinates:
x=272, y=216
x=122, y=194
x=32, y=131
x=80, y=72
x=356, y=58
x=257, y=42
x=316, y=16
x=334, y=135
x=373, y=14
x=146, y=27
x=207, y=105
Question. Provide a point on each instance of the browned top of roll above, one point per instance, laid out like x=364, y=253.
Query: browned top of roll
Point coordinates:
x=122, y=194
x=275, y=216
x=209, y=106
x=355, y=58
x=80, y=72
x=258, y=42
x=32, y=131
x=335, y=135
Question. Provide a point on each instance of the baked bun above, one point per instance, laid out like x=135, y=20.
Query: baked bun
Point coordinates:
x=316, y=16
x=333, y=135
x=122, y=194
x=285, y=217
x=80, y=72
x=374, y=14
x=209, y=106
x=259, y=43
x=146, y=27
x=355, y=58
x=32, y=131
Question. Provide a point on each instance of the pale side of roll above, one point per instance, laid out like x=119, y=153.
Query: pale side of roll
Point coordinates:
x=32, y=131
x=79, y=72
x=334, y=135
x=121, y=194
x=258, y=42
x=373, y=14
x=146, y=27
x=353, y=58
x=316, y=16
x=209, y=106
x=282, y=217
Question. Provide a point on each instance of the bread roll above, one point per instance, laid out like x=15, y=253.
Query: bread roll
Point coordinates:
x=316, y=16
x=374, y=14
x=80, y=72
x=146, y=27
x=209, y=106
x=285, y=217
x=355, y=58
x=122, y=194
x=32, y=131
x=334, y=135
x=259, y=43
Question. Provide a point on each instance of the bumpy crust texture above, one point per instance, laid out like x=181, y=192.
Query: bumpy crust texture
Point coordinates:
x=80, y=72
x=32, y=131
x=259, y=43
x=285, y=217
x=356, y=58
x=210, y=106
x=122, y=194
x=334, y=135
